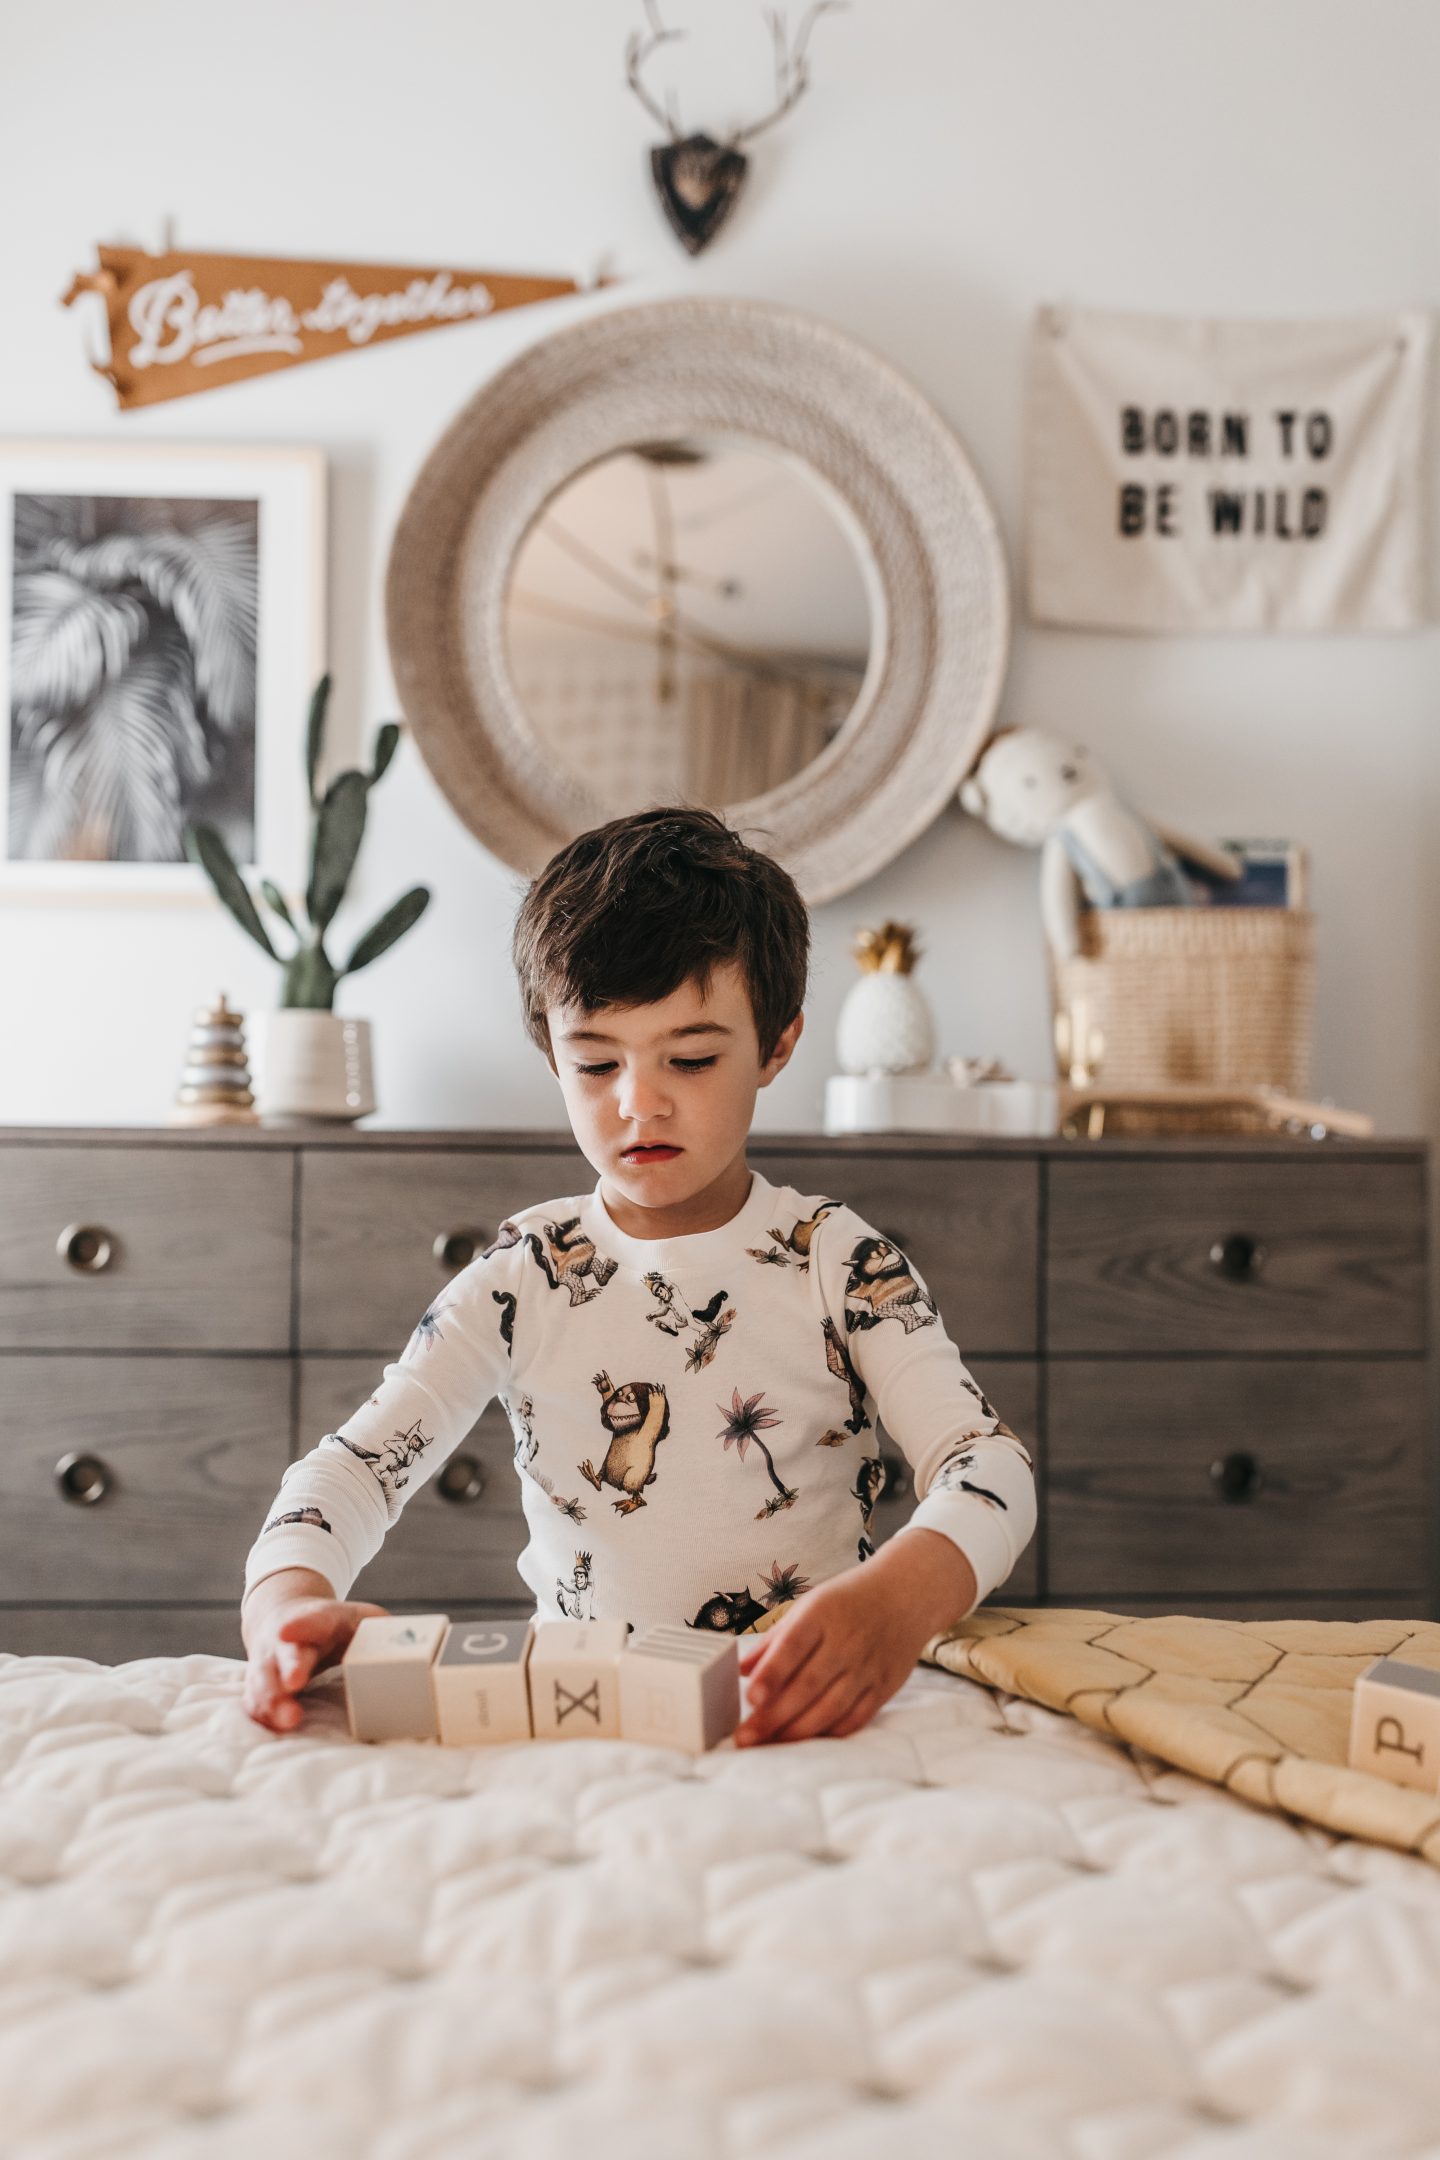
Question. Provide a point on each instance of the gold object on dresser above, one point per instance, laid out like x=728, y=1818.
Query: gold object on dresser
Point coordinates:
x=1095, y=1109
x=1215, y=1350
x=215, y=1085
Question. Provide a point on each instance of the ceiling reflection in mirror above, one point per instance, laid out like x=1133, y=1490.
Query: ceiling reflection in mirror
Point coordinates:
x=688, y=620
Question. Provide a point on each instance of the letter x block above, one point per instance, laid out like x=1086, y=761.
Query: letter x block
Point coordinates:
x=574, y=1684
x=479, y=1678
x=1395, y=1723
x=386, y=1670
x=680, y=1688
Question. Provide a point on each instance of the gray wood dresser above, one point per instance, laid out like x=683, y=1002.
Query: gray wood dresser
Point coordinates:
x=1216, y=1351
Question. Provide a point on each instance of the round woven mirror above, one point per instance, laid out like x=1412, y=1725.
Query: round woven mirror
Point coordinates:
x=709, y=551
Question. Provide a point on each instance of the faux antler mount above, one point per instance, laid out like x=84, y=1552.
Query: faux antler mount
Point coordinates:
x=697, y=178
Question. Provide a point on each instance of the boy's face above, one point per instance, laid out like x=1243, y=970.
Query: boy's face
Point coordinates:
x=684, y=1072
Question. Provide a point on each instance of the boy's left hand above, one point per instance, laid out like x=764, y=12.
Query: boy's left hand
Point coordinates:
x=850, y=1643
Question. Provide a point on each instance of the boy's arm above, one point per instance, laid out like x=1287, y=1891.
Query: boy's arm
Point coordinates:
x=293, y=1627
x=974, y=1478
x=849, y=1643
x=334, y=1505
x=281, y=1587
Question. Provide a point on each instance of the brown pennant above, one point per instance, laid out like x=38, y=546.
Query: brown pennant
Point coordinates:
x=183, y=322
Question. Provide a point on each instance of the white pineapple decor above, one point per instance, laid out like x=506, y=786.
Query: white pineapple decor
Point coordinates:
x=886, y=1025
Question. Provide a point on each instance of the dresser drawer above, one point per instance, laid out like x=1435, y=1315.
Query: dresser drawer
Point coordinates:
x=1334, y=1497
x=1013, y=1386
x=373, y=1232
x=198, y=1248
x=114, y=1634
x=1357, y=1605
x=184, y=1453
x=1322, y=1254
x=439, y=1548
x=969, y=1224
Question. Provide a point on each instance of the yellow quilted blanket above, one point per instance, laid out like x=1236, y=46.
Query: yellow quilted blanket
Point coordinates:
x=1259, y=1706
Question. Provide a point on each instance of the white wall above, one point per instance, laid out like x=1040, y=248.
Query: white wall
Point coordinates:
x=956, y=162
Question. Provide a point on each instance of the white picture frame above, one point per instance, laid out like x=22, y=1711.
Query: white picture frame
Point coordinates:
x=67, y=490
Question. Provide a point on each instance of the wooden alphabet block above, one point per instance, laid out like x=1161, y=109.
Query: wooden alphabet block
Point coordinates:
x=574, y=1679
x=1395, y=1723
x=386, y=1670
x=481, y=1689
x=680, y=1688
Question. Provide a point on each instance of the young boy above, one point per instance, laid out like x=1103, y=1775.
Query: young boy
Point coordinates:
x=692, y=1358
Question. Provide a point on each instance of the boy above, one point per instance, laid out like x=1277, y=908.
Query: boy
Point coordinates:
x=693, y=1359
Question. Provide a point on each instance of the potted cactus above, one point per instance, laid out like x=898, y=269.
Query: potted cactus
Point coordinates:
x=314, y=1064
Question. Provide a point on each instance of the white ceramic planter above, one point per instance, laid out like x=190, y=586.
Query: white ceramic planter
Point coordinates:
x=311, y=1067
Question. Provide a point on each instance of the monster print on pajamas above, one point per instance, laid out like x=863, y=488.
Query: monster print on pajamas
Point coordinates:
x=881, y=1283
x=567, y=1259
x=391, y=1463
x=637, y=1417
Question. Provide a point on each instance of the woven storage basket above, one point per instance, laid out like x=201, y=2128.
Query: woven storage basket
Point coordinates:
x=1217, y=995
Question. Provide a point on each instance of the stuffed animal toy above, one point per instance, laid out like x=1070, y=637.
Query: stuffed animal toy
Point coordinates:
x=1041, y=791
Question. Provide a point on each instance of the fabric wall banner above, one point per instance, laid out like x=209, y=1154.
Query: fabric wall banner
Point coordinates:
x=1185, y=474
x=183, y=322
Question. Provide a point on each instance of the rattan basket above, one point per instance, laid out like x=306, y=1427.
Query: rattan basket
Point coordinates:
x=1222, y=995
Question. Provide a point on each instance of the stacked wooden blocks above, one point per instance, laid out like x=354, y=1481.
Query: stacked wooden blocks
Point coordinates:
x=417, y=1676
x=1395, y=1723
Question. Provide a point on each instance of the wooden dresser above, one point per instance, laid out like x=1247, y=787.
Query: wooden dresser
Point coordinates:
x=1216, y=1351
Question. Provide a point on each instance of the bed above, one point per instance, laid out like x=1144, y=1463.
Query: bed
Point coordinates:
x=977, y=1927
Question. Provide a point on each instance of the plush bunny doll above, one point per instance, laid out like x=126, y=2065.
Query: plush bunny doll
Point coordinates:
x=1040, y=791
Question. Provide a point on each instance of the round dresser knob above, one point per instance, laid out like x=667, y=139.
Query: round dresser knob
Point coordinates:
x=83, y=1478
x=457, y=1248
x=1237, y=1477
x=85, y=1247
x=462, y=1479
x=1238, y=1258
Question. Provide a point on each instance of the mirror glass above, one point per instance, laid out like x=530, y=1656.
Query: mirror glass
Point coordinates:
x=689, y=619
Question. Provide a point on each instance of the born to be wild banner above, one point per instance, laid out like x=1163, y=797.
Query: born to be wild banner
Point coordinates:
x=183, y=321
x=1187, y=474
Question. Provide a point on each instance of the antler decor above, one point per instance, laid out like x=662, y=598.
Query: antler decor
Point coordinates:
x=697, y=178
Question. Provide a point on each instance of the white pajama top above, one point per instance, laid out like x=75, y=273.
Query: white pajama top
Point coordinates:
x=695, y=1418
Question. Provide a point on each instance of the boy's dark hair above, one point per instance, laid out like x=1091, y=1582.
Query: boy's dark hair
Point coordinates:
x=631, y=910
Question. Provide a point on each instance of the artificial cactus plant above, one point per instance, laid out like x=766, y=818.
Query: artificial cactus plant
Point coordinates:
x=310, y=976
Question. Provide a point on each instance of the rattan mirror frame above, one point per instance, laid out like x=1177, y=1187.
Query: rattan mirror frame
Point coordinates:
x=940, y=600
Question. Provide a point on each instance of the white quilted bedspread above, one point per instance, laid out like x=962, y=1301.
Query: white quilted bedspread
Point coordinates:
x=974, y=1929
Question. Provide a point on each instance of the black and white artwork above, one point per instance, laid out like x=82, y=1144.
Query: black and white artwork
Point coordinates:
x=133, y=630
x=162, y=630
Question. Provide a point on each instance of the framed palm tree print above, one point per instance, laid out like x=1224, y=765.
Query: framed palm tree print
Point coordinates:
x=163, y=629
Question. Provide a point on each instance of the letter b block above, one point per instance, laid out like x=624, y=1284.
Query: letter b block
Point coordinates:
x=1395, y=1723
x=479, y=1678
x=680, y=1688
x=574, y=1689
x=386, y=1670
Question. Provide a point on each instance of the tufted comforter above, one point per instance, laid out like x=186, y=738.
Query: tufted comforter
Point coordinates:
x=978, y=1928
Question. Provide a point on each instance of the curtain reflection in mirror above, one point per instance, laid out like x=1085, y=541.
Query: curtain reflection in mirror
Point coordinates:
x=688, y=620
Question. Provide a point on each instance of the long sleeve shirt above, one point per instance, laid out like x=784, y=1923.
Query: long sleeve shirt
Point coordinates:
x=695, y=1418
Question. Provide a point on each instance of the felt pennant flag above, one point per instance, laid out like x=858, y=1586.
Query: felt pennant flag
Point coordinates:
x=182, y=322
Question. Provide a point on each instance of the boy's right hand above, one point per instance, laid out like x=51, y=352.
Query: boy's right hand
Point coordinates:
x=287, y=1643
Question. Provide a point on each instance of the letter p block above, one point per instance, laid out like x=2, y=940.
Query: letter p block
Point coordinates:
x=1395, y=1723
